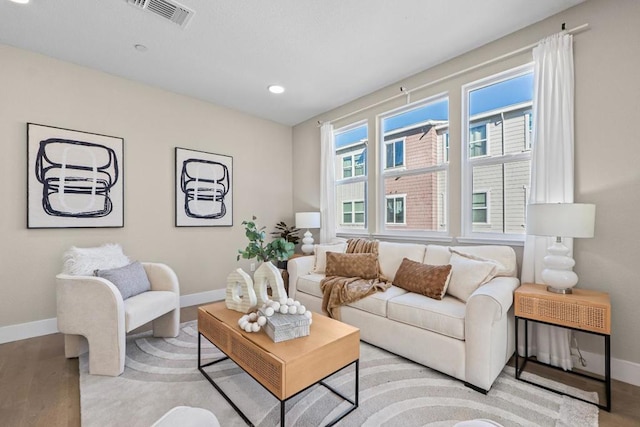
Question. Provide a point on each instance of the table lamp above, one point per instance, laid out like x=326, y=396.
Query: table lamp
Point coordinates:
x=307, y=220
x=560, y=220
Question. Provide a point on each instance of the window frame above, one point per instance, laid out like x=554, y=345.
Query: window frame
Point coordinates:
x=343, y=228
x=383, y=173
x=486, y=207
x=401, y=141
x=468, y=163
x=396, y=197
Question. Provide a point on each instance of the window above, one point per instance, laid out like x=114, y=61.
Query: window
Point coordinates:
x=412, y=178
x=395, y=209
x=478, y=140
x=351, y=179
x=353, y=165
x=496, y=154
x=480, y=208
x=395, y=154
x=353, y=212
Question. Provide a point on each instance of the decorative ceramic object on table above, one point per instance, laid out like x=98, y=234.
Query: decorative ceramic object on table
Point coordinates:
x=240, y=295
x=268, y=274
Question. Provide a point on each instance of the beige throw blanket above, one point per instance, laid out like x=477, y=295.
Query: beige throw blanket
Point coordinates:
x=337, y=290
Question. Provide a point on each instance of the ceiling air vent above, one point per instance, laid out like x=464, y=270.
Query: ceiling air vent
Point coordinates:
x=171, y=10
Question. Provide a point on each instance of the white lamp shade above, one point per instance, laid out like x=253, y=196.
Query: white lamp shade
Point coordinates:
x=308, y=220
x=561, y=219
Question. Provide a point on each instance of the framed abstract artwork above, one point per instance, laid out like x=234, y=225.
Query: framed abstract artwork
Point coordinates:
x=74, y=178
x=203, y=188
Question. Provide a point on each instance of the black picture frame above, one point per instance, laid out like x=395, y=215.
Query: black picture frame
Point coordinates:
x=203, y=189
x=75, y=179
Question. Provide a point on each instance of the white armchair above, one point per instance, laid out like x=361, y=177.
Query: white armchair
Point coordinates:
x=93, y=316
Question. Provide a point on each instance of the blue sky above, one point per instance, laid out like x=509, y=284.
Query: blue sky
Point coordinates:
x=509, y=92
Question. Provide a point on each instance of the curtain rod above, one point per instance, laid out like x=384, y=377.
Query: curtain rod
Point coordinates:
x=407, y=93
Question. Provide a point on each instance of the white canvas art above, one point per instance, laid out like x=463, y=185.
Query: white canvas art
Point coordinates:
x=204, y=183
x=74, y=179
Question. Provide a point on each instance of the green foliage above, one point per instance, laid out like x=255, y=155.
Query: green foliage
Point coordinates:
x=290, y=234
x=277, y=250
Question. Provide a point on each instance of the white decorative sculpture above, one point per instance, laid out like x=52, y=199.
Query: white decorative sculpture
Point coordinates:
x=268, y=273
x=240, y=294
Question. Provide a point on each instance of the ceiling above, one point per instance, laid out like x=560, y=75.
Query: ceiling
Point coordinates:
x=325, y=53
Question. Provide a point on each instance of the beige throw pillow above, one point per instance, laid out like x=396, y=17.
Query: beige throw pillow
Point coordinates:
x=429, y=280
x=320, y=263
x=364, y=265
x=468, y=274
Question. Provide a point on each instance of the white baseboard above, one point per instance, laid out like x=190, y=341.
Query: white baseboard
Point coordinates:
x=622, y=370
x=38, y=328
x=22, y=331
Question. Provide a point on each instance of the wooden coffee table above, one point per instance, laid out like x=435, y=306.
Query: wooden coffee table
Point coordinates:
x=285, y=368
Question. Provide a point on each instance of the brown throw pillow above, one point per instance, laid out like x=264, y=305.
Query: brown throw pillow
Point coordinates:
x=364, y=266
x=428, y=280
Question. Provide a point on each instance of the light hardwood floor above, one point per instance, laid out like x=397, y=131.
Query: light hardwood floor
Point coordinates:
x=39, y=386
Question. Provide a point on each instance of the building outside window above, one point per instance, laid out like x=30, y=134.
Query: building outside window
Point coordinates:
x=412, y=179
x=351, y=182
x=497, y=154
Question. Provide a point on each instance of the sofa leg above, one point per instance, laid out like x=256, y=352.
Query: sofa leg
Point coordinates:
x=476, y=388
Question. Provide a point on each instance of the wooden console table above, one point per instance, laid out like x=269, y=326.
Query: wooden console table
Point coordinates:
x=583, y=310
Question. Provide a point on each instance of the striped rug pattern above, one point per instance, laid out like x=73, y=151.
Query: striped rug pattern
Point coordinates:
x=161, y=373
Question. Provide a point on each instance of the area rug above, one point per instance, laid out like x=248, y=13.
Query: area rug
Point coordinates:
x=161, y=373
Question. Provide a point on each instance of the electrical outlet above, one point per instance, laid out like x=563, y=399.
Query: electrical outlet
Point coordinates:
x=253, y=266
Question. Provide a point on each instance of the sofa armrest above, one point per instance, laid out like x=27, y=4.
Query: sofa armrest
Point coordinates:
x=83, y=298
x=297, y=267
x=161, y=277
x=487, y=331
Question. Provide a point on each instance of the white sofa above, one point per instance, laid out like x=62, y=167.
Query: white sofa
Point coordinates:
x=470, y=341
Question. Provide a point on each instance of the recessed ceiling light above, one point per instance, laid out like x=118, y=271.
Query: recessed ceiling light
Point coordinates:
x=276, y=89
x=140, y=47
x=20, y=1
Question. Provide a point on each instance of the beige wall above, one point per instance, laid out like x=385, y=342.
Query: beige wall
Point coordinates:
x=38, y=89
x=607, y=60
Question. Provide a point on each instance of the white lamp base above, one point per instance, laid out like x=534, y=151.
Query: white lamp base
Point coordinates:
x=307, y=246
x=558, y=274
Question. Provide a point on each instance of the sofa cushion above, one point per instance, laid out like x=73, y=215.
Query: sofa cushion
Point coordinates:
x=377, y=302
x=503, y=256
x=444, y=316
x=310, y=284
x=130, y=280
x=146, y=306
x=363, y=265
x=320, y=262
x=467, y=274
x=428, y=280
x=390, y=256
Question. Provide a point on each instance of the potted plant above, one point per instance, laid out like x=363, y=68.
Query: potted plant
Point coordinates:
x=277, y=250
x=290, y=234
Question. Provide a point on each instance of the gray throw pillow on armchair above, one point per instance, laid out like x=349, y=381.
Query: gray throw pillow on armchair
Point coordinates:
x=130, y=280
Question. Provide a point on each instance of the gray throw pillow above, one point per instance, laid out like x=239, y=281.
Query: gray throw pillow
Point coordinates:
x=130, y=280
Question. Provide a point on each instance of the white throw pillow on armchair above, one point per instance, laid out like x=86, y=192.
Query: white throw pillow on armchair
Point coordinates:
x=84, y=261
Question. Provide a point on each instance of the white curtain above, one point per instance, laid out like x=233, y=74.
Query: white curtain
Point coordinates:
x=551, y=174
x=327, y=184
